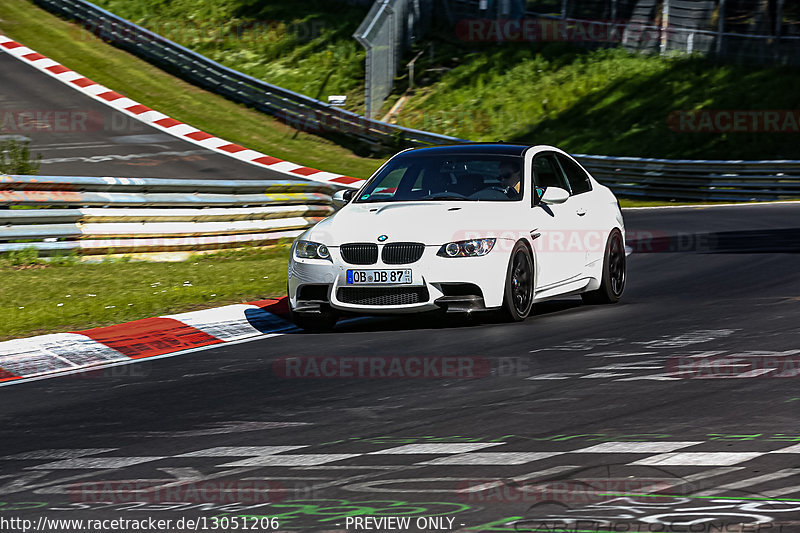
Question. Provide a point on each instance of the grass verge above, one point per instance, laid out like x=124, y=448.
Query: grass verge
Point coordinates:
x=606, y=102
x=78, y=49
x=38, y=298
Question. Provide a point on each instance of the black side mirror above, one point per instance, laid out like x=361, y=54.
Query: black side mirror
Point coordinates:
x=342, y=197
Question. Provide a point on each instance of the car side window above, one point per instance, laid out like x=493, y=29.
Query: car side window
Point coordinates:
x=547, y=173
x=577, y=177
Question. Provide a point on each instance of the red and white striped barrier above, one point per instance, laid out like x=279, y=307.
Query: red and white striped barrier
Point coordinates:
x=161, y=121
x=67, y=353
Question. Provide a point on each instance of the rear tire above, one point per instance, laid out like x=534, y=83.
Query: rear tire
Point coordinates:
x=612, y=283
x=518, y=296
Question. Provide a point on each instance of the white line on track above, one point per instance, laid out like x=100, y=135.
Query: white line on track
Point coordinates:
x=102, y=158
x=55, y=147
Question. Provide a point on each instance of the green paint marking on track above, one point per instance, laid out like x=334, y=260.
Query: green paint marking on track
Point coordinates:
x=568, y=530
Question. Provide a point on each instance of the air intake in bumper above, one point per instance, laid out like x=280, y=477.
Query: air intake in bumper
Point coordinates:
x=382, y=295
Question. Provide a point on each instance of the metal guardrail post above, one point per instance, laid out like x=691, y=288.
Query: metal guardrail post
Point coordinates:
x=664, y=27
x=720, y=26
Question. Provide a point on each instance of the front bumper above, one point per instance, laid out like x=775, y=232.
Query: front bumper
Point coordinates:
x=433, y=279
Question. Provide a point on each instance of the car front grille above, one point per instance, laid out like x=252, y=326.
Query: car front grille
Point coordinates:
x=382, y=295
x=402, y=253
x=359, y=253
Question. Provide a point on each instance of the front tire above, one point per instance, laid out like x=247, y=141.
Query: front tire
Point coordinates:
x=612, y=283
x=518, y=296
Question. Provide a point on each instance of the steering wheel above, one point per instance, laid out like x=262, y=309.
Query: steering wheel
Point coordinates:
x=510, y=192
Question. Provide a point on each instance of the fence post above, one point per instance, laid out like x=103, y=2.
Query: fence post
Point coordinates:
x=367, y=69
x=720, y=26
x=664, y=26
x=778, y=20
x=563, y=9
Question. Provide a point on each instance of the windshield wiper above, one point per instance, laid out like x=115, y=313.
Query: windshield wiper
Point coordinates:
x=427, y=198
x=451, y=198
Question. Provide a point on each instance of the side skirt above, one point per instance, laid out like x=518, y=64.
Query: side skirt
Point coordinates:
x=564, y=289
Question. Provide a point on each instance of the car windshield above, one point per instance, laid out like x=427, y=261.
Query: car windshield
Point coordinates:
x=468, y=177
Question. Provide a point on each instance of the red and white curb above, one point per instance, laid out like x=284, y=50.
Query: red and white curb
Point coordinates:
x=67, y=353
x=161, y=121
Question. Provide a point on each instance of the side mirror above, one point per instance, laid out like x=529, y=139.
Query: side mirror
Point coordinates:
x=342, y=198
x=554, y=195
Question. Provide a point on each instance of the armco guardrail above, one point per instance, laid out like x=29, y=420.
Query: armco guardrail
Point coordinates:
x=144, y=215
x=97, y=216
x=696, y=180
x=295, y=109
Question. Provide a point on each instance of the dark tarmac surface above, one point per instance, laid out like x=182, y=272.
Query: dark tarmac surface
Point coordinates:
x=573, y=419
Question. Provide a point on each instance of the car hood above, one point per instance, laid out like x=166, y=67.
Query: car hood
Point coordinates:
x=431, y=223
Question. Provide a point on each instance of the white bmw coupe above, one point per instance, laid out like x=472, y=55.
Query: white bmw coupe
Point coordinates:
x=461, y=228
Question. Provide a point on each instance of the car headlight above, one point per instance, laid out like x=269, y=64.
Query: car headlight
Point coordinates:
x=311, y=250
x=470, y=248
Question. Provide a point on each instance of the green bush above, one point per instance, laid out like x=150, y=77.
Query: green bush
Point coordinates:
x=62, y=258
x=26, y=256
x=15, y=158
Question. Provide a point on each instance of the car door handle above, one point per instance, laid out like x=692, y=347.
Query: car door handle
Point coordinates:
x=580, y=212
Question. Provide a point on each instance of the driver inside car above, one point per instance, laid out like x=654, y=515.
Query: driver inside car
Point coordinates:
x=509, y=174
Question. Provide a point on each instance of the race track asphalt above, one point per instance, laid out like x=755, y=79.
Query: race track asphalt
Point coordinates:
x=78, y=136
x=575, y=418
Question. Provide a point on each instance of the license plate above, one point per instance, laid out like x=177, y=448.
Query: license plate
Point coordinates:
x=378, y=277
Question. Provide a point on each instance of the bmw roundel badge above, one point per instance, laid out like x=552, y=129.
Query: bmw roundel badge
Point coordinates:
x=382, y=238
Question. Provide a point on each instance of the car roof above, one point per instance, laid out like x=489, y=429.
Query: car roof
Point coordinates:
x=471, y=148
